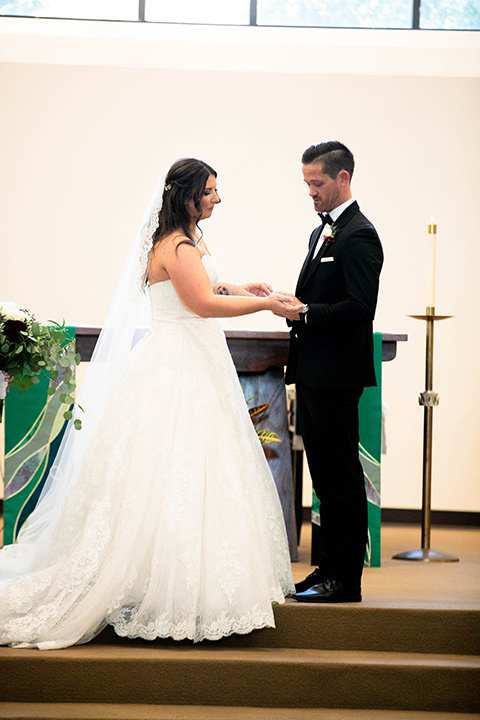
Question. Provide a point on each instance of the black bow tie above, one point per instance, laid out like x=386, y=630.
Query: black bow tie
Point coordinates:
x=326, y=219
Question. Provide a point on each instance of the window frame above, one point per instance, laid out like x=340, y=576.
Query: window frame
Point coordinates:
x=415, y=25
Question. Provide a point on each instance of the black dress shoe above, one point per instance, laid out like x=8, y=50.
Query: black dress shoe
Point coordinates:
x=330, y=591
x=314, y=578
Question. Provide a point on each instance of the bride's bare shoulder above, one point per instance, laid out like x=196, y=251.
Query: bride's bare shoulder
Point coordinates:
x=165, y=253
x=170, y=243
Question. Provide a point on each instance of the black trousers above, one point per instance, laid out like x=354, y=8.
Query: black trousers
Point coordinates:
x=329, y=420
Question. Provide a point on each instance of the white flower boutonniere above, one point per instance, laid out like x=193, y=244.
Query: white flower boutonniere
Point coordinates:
x=330, y=233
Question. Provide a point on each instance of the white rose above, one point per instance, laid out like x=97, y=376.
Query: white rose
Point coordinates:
x=11, y=311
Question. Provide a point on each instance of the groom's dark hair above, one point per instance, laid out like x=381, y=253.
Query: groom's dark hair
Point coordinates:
x=333, y=155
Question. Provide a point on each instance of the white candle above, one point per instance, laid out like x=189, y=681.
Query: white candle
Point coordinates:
x=432, y=259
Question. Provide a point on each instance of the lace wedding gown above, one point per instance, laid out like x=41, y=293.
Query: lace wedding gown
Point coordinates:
x=175, y=527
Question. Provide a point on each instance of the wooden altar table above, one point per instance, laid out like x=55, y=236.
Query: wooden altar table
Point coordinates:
x=260, y=357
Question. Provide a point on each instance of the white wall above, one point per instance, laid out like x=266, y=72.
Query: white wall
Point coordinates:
x=93, y=112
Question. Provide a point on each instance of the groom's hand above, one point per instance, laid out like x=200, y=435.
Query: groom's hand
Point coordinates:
x=290, y=312
x=289, y=307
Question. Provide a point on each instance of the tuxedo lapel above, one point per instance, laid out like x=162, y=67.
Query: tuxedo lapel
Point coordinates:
x=306, y=264
x=346, y=215
x=311, y=264
x=316, y=260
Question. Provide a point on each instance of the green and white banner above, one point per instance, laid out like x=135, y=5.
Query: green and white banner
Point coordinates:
x=34, y=427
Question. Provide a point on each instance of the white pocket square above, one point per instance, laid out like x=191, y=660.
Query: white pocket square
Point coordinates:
x=327, y=259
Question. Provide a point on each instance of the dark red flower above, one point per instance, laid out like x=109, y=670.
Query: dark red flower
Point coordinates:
x=12, y=329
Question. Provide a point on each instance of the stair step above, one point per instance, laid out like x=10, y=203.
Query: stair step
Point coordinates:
x=95, y=711
x=266, y=677
x=354, y=627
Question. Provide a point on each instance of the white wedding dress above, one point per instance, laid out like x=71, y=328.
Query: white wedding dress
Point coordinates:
x=174, y=528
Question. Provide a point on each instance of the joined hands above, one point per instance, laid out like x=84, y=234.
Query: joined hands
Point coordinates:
x=289, y=306
x=282, y=304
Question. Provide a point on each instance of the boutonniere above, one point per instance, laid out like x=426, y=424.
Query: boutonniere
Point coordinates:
x=329, y=234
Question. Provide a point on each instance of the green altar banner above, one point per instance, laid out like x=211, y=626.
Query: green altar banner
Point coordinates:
x=34, y=428
x=370, y=416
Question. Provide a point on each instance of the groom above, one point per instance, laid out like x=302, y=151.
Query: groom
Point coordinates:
x=331, y=361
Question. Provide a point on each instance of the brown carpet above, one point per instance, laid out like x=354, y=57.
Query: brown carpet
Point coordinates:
x=92, y=711
x=409, y=650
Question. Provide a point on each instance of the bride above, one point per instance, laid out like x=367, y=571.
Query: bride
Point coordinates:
x=160, y=517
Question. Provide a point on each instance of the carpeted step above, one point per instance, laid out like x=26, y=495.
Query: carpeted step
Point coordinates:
x=356, y=627
x=93, y=711
x=264, y=677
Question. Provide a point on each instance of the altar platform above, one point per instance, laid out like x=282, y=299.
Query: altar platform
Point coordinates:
x=409, y=651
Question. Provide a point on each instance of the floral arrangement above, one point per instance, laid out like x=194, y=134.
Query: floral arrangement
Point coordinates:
x=28, y=350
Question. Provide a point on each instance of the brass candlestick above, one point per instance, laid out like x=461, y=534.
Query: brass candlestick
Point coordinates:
x=429, y=399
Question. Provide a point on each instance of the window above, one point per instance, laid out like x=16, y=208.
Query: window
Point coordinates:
x=449, y=15
x=213, y=12
x=76, y=9
x=406, y=14
x=331, y=13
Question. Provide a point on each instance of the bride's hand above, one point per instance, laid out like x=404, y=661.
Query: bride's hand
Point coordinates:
x=258, y=289
x=284, y=304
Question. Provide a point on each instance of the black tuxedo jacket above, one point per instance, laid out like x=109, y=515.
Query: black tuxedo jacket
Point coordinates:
x=334, y=348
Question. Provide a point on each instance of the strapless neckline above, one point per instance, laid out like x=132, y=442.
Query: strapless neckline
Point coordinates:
x=166, y=305
x=162, y=282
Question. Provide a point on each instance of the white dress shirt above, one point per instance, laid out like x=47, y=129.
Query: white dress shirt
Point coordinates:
x=334, y=214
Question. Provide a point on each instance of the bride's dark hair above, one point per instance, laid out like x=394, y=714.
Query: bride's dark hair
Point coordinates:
x=186, y=180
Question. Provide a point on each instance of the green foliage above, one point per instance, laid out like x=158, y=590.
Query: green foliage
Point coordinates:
x=265, y=436
x=28, y=349
x=258, y=410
